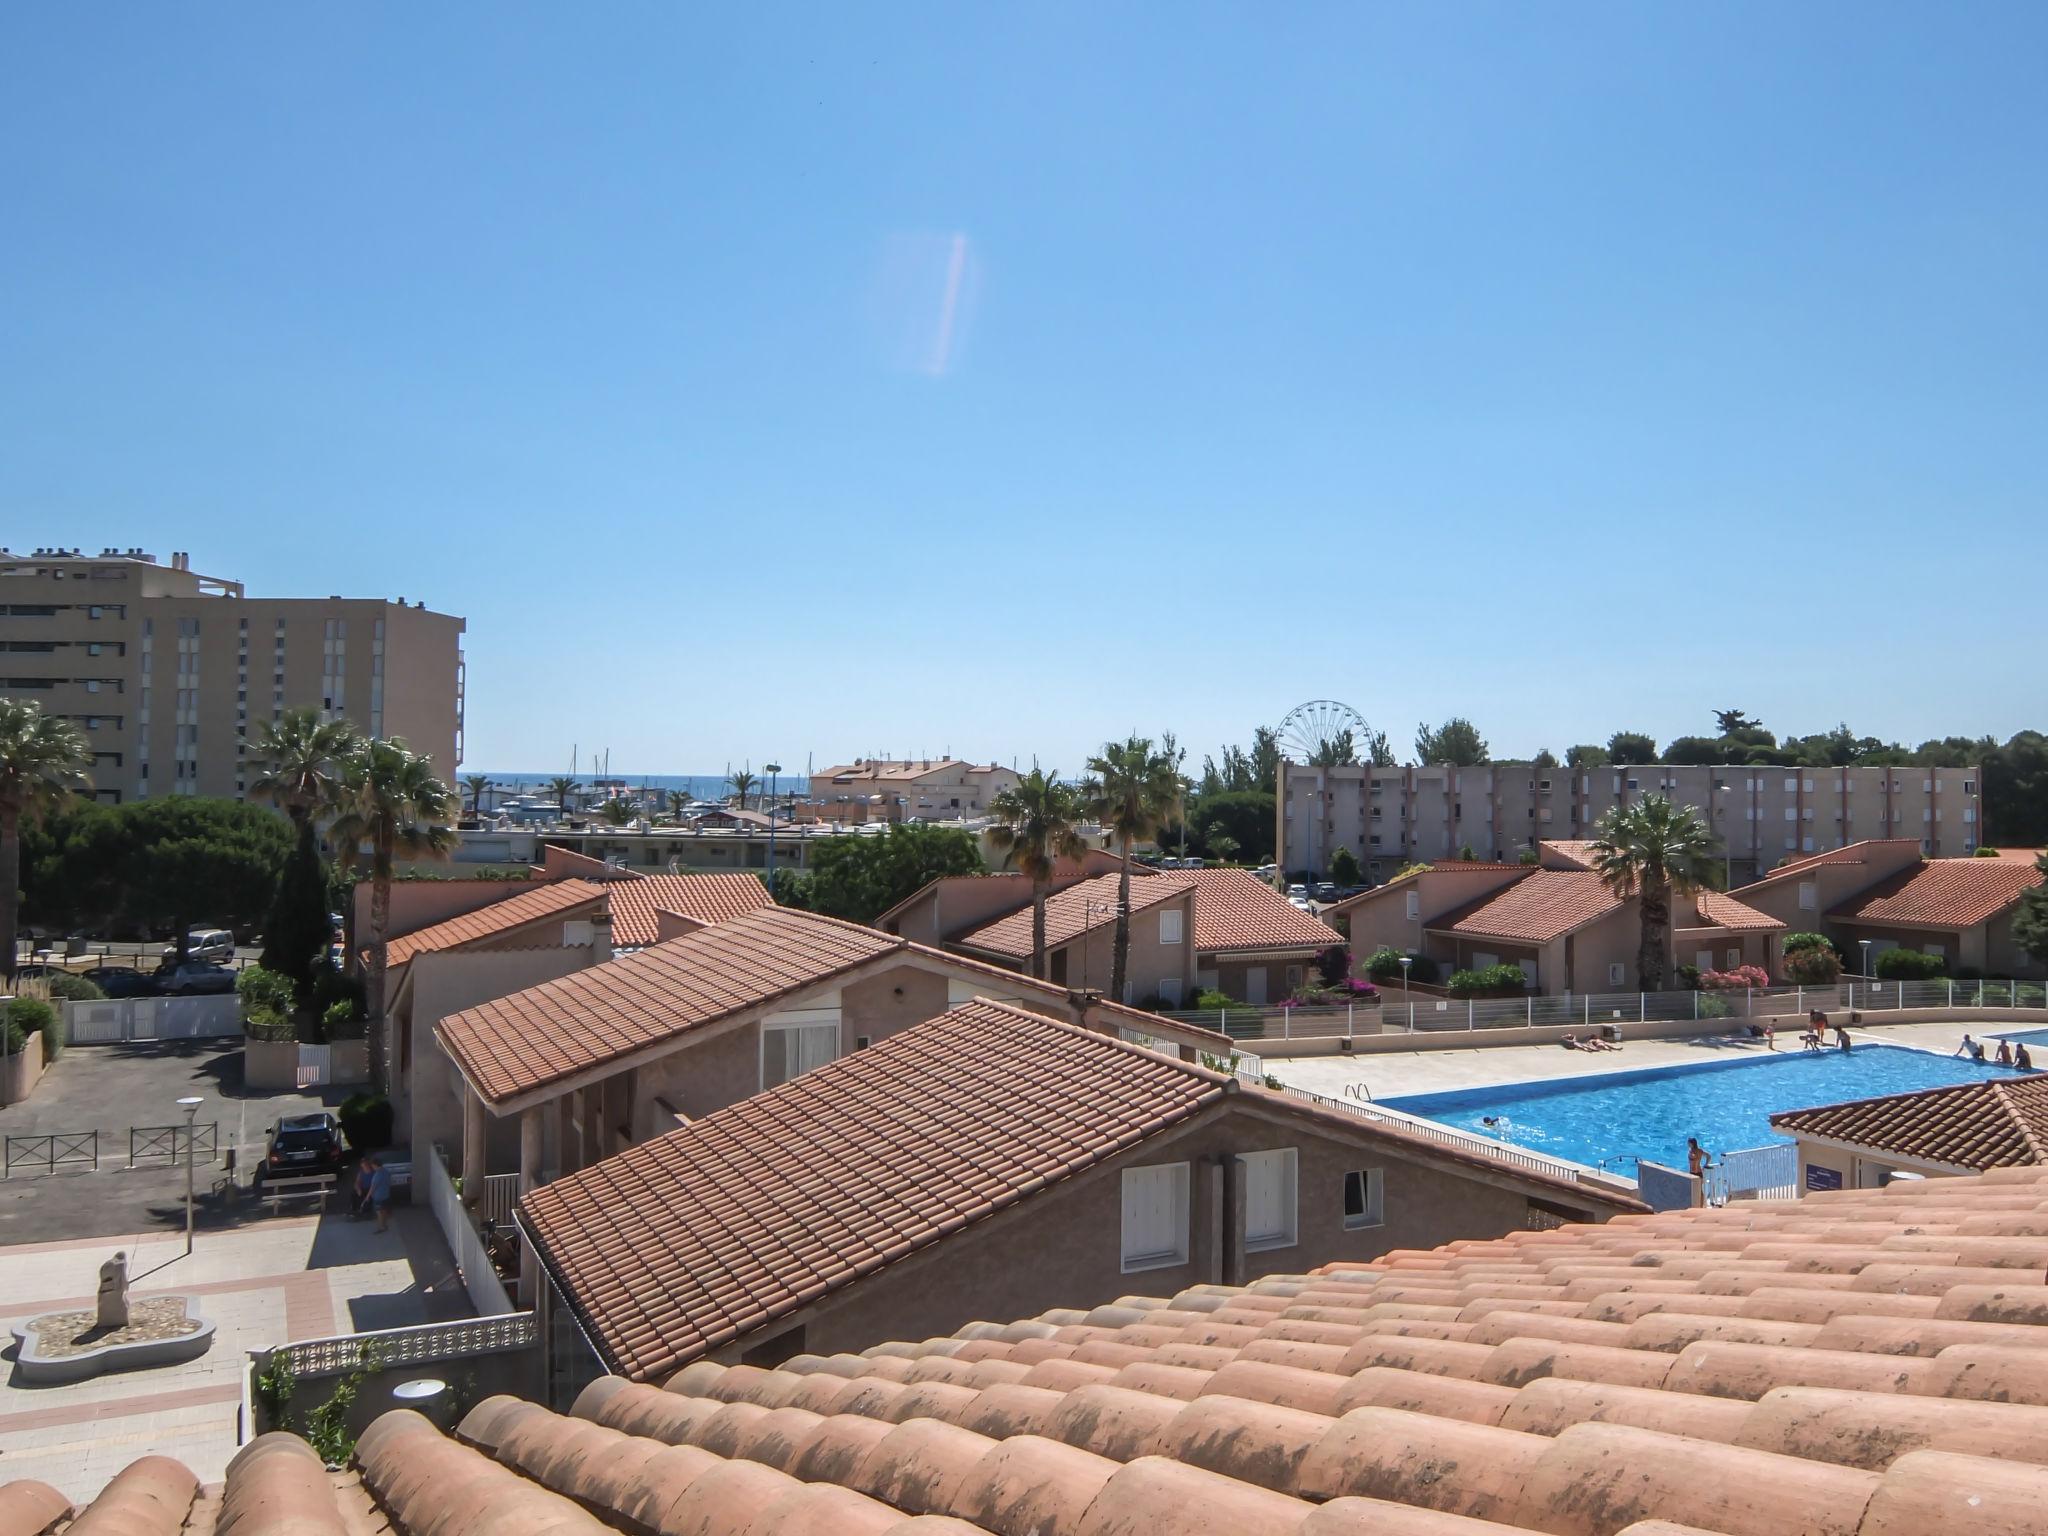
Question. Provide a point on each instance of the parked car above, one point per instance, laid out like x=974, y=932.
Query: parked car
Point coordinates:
x=121, y=981
x=302, y=1145
x=1326, y=892
x=193, y=978
x=1297, y=890
x=215, y=944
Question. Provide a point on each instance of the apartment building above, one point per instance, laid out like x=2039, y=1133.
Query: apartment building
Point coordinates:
x=1389, y=817
x=915, y=789
x=167, y=671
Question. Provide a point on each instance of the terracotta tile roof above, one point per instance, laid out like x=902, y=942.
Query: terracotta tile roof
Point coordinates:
x=1235, y=909
x=685, y=1242
x=1543, y=905
x=1575, y=850
x=1942, y=893
x=1067, y=914
x=1724, y=911
x=1996, y=1122
x=1861, y=1363
x=515, y=1044
x=554, y=900
x=1854, y=853
x=710, y=898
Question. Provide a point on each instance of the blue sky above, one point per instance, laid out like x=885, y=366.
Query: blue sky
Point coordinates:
x=854, y=380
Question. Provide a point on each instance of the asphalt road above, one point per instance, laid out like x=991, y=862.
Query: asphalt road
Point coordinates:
x=113, y=1089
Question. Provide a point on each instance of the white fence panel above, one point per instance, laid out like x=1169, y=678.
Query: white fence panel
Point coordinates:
x=316, y=1066
x=1755, y=1173
x=117, y=1021
x=479, y=1276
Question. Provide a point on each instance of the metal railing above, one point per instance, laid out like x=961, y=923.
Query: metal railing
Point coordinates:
x=46, y=1154
x=171, y=1142
x=420, y=1345
x=1755, y=1173
x=500, y=1194
x=1464, y=1141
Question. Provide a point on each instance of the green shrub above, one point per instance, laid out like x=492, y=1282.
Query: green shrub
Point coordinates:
x=1910, y=965
x=1812, y=967
x=1210, y=1000
x=1385, y=965
x=341, y=1021
x=1494, y=981
x=1713, y=1006
x=366, y=1120
x=32, y=1016
x=264, y=995
x=1689, y=978
x=1799, y=941
x=266, y=1023
x=1987, y=853
x=68, y=988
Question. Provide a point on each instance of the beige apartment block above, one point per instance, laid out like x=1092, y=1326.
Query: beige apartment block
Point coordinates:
x=1389, y=817
x=915, y=789
x=168, y=672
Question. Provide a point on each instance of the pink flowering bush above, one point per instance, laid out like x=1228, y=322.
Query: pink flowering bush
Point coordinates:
x=1737, y=980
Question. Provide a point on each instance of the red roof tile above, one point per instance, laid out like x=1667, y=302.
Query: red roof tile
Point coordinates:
x=1072, y=912
x=1997, y=1122
x=1724, y=911
x=1859, y=1363
x=1235, y=909
x=708, y=898
x=684, y=1242
x=1941, y=893
x=1572, y=850
x=514, y=1044
x=500, y=917
x=1543, y=905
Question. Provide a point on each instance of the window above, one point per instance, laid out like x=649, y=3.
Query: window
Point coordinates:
x=1155, y=1216
x=790, y=1050
x=1169, y=989
x=1414, y=904
x=1969, y=786
x=1269, y=1199
x=1365, y=1198
x=1734, y=958
x=1170, y=926
x=1938, y=951
x=1293, y=977
x=1617, y=973
x=1632, y=783
x=1791, y=813
x=1703, y=960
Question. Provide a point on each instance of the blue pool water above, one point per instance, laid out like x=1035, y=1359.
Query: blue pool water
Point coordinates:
x=2034, y=1039
x=1728, y=1105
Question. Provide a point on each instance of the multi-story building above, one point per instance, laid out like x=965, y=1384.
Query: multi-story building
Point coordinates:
x=1389, y=817
x=168, y=672
x=915, y=789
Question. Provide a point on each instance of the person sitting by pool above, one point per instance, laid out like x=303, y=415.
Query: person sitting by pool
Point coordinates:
x=2004, y=1052
x=1571, y=1042
x=2021, y=1059
x=1968, y=1048
x=1842, y=1039
x=1599, y=1043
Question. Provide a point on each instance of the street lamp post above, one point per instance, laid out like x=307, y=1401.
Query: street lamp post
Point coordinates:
x=1866, y=973
x=773, y=770
x=190, y=1105
x=1407, y=996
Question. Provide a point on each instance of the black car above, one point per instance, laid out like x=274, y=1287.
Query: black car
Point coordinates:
x=302, y=1145
x=120, y=981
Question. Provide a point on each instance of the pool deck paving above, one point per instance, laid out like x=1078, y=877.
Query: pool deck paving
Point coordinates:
x=1401, y=1073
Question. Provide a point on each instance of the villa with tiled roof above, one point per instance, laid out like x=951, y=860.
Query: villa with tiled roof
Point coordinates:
x=1864, y=1363
x=991, y=1159
x=1557, y=920
x=1993, y=1122
x=1889, y=893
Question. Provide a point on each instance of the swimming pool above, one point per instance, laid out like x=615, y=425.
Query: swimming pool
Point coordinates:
x=1617, y=1118
x=2034, y=1039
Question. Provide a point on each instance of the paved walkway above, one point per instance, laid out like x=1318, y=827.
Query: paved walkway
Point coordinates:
x=1398, y=1074
x=261, y=1285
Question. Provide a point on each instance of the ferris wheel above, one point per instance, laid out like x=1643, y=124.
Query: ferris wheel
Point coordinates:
x=1311, y=730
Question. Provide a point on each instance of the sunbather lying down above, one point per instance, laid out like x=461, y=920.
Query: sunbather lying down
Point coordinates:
x=1572, y=1042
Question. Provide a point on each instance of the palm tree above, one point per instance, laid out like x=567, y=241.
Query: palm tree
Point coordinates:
x=299, y=759
x=478, y=785
x=43, y=763
x=677, y=803
x=1132, y=789
x=617, y=811
x=743, y=784
x=564, y=790
x=1653, y=850
x=392, y=803
x=1035, y=829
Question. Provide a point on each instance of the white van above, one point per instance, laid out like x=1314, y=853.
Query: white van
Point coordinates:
x=215, y=944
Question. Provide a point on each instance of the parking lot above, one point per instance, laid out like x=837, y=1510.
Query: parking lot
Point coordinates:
x=117, y=1091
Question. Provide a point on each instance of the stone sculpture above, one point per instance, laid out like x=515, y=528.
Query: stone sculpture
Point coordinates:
x=113, y=1297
